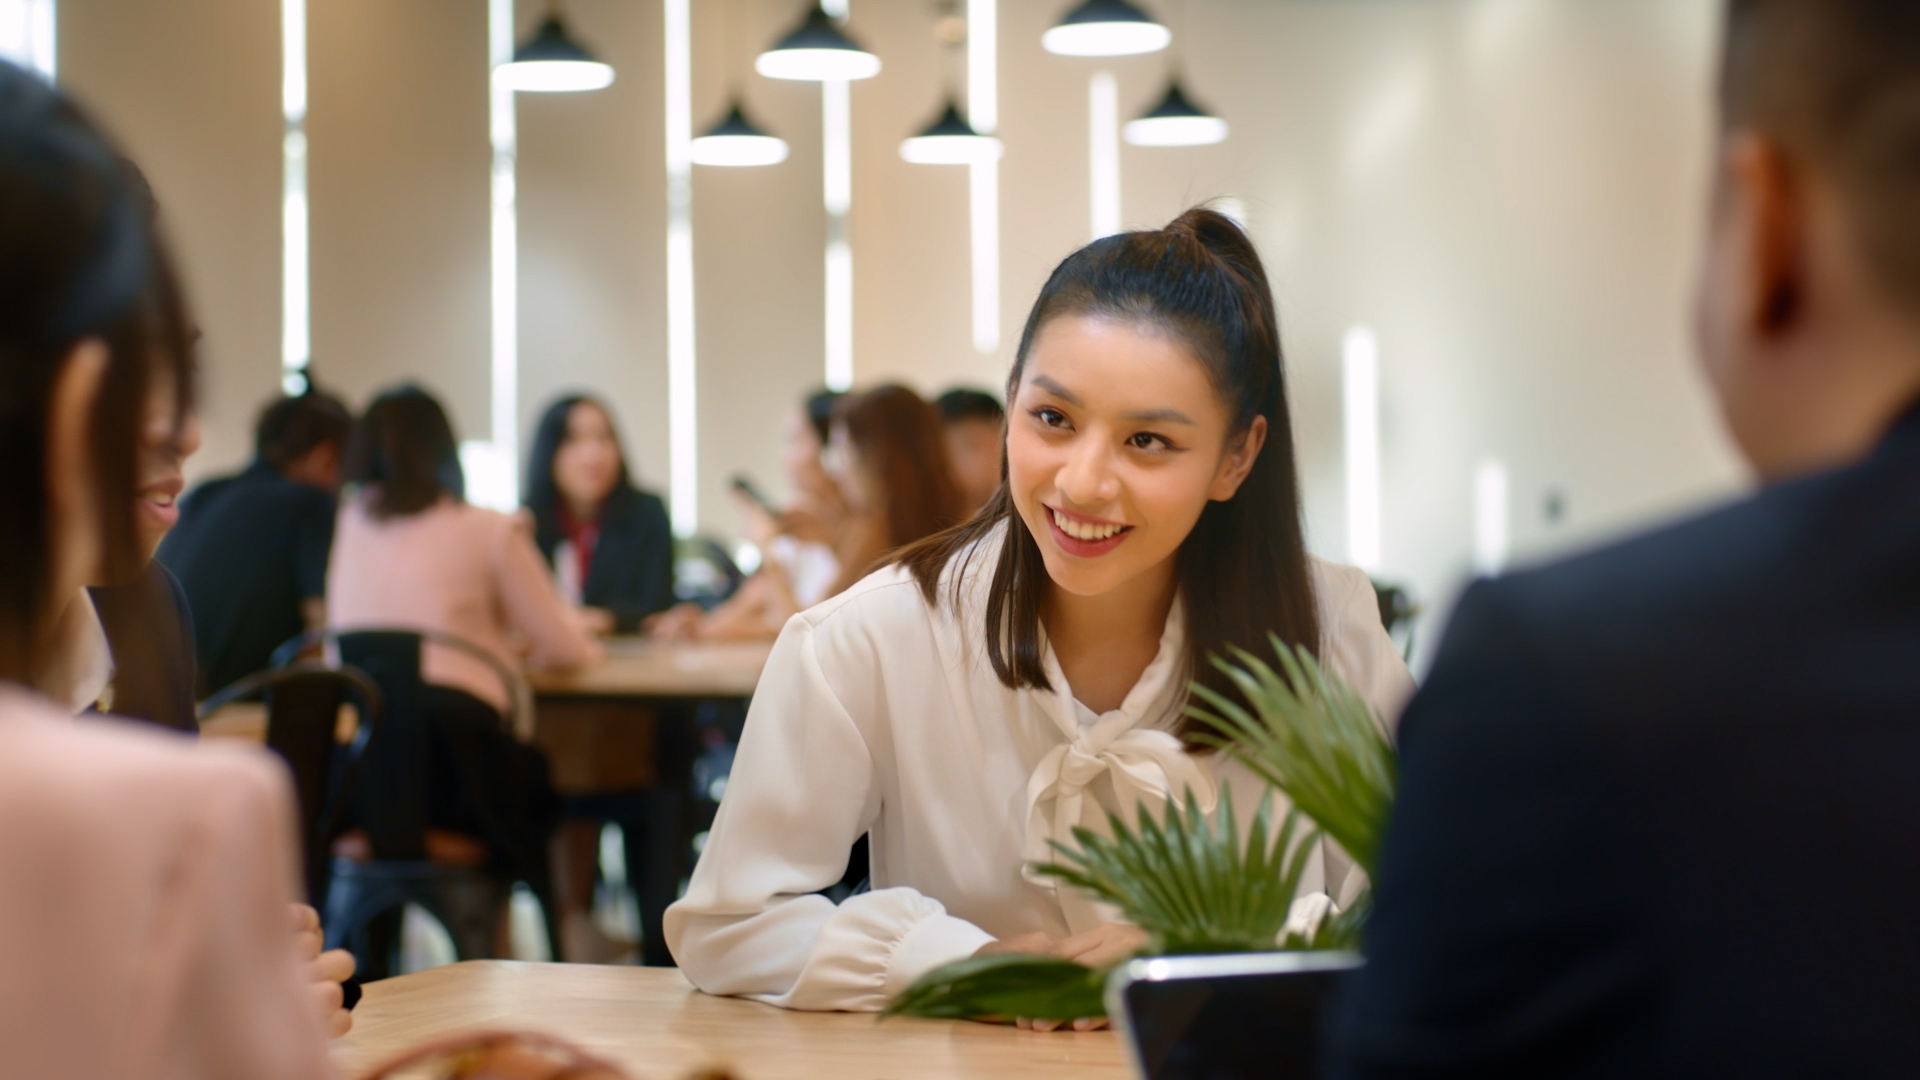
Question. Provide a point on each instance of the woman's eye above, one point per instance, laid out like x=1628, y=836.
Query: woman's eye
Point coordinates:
x=1148, y=441
x=1050, y=417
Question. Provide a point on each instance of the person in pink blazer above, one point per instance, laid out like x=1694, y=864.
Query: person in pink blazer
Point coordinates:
x=146, y=905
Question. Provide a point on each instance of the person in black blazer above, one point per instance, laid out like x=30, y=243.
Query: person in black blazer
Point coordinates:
x=1659, y=804
x=609, y=543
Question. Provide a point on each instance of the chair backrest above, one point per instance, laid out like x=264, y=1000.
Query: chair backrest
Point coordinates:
x=303, y=709
x=390, y=801
x=519, y=714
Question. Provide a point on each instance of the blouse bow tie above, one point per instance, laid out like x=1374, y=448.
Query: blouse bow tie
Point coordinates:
x=1144, y=765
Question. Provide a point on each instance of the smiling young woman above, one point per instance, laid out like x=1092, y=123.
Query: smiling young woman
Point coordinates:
x=1024, y=674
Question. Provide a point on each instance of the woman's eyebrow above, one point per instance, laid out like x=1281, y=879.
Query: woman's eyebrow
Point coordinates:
x=1161, y=416
x=1056, y=390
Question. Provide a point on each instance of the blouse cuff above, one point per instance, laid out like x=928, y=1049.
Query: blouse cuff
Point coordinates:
x=932, y=942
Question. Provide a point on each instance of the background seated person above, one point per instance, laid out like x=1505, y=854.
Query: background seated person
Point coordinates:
x=411, y=553
x=1621, y=767
x=610, y=544
x=886, y=457
x=250, y=550
x=976, y=429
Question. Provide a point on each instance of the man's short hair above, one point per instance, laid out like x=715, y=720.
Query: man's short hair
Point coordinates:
x=290, y=428
x=962, y=403
x=1838, y=81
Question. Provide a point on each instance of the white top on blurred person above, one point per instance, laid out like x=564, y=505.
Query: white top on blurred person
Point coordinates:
x=1024, y=674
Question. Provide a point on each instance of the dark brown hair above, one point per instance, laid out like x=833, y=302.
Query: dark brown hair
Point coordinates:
x=80, y=258
x=899, y=440
x=1242, y=571
x=1839, y=81
x=290, y=428
x=403, y=455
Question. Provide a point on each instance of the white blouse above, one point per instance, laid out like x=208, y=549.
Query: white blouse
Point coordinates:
x=880, y=714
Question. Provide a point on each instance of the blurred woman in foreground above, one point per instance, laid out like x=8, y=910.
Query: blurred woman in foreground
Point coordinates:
x=608, y=542
x=887, y=460
x=110, y=831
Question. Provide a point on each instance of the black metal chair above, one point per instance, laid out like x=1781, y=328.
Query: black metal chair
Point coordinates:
x=390, y=804
x=303, y=713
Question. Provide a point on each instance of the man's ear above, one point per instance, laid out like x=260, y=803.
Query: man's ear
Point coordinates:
x=1239, y=461
x=1768, y=196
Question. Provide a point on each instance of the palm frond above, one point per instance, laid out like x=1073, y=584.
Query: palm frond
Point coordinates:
x=1312, y=737
x=1004, y=986
x=1191, y=883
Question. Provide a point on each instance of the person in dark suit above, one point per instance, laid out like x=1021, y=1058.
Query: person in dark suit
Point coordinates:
x=250, y=550
x=609, y=543
x=1659, y=803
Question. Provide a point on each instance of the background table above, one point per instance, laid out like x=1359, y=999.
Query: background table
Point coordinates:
x=628, y=730
x=650, y=1021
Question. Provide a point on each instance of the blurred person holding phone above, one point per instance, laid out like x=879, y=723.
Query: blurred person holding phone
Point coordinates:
x=1621, y=765
x=609, y=543
x=796, y=542
x=886, y=461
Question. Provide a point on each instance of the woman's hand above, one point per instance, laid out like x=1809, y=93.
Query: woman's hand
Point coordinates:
x=325, y=970
x=1103, y=946
x=595, y=620
x=678, y=623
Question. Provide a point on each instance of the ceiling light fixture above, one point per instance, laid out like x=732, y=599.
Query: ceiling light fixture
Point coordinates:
x=737, y=141
x=1176, y=121
x=816, y=51
x=551, y=61
x=1106, y=28
x=950, y=140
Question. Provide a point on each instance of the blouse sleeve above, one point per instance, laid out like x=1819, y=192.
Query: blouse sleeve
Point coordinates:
x=1358, y=648
x=533, y=604
x=802, y=791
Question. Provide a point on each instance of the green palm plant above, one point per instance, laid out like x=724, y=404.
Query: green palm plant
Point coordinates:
x=1310, y=736
x=1191, y=884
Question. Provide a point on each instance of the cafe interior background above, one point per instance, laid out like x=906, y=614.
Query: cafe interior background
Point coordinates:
x=1480, y=216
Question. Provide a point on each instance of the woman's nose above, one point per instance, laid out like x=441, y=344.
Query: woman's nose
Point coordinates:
x=1088, y=478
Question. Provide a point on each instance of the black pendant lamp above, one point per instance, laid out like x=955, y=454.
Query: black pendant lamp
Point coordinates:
x=950, y=140
x=737, y=141
x=1176, y=121
x=817, y=51
x=551, y=61
x=1106, y=28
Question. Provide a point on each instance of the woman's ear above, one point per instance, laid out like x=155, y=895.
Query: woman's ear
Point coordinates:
x=74, y=514
x=1238, y=461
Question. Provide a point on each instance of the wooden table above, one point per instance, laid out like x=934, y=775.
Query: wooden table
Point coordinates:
x=650, y=1021
x=642, y=668
x=630, y=727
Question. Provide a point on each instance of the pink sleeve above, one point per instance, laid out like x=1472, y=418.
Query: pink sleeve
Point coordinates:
x=533, y=604
x=227, y=991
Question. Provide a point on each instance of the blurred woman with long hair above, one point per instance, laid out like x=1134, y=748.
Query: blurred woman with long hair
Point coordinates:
x=609, y=543
x=144, y=912
x=886, y=456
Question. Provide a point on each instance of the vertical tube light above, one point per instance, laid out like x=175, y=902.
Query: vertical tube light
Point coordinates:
x=506, y=256
x=1360, y=369
x=683, y=439
x=1103, y=152
x=1490, y=517
x=837, y=181
x=983, y=109
x=296, y=333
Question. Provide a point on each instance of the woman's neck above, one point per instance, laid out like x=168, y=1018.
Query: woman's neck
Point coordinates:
x=1104, y=643
x=582, y=513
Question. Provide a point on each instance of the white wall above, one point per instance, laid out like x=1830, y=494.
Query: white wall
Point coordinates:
x=1508, y=191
